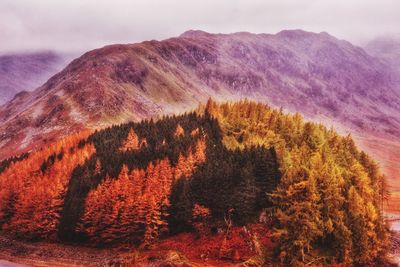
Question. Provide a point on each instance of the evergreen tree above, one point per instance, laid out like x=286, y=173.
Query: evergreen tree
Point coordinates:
x=131, y=142
x=298, y=216
x=245, y=197
x=179, y=131
x=154, y=224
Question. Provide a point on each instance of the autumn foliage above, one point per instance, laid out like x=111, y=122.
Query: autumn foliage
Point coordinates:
x=134, y=207
x=327, y=207
x=211, y=173
x=131, y=142
x=32, y=191
x=201, y=219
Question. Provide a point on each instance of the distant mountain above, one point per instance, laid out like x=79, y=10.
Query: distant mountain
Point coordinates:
x=26, y=72
x=388, y=49
x=326, y=79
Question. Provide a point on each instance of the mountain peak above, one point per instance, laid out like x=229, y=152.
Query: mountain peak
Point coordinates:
x=194, y=33
x=298, y=34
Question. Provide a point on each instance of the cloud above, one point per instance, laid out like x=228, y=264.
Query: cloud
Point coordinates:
x=79, y=25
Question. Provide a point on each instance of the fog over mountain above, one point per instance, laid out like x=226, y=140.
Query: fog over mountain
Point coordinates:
x=27, y=71
x=387, y=48
x=83, y=25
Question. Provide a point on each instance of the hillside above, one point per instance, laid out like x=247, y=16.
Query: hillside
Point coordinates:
x=211, y=174
x=28, y=71
x=323, y=78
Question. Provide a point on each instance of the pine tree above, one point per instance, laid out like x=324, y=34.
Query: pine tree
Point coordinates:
x=131, y=142
x=195, y=132
x=200, y=151
x=154, y=224
x=181, y=206
x=179, y=170
x=337, y=233
x=244, y=201
x=298, y=214
x=179, y=131
x=120, y=199
x=200, y=219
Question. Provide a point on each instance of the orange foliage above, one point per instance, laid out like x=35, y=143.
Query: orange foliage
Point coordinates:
x=133, y=207
x=131, y=142
x=179, y=131
x=200, y=212
x=31, y=197
x=111, y=209
x=195, y=132
x=135, y=202
x=201, y=215
x=200, y=151
x=239, y=246
x=186, y=165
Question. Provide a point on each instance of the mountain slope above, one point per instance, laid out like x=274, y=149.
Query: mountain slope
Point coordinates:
x=26, y=72
x=324, y=78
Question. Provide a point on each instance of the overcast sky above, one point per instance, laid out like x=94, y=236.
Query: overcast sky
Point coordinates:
x=79, y=25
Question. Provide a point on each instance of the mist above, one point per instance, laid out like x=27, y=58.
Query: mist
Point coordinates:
x=80, y=25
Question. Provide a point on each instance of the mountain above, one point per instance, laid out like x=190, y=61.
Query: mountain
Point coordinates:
x=231, y=177
x=26, y=72
x=326, y=79
x=388, y=49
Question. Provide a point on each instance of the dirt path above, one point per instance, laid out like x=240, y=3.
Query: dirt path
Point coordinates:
x=40, y=254
x=45, y=254
x=176, y=251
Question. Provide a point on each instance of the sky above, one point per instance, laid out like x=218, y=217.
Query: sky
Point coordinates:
x=80, y=25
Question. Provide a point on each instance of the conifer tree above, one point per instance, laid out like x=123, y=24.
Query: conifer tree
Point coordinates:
x=200, y=151
x=179, y=170
x=244, y=202
x=154, y=224
x=200, y=219
x=181, y=206
x=131, y=142
x=179, y=131
x=298, y=214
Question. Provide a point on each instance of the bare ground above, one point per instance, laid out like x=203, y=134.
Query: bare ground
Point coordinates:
x=55, y=255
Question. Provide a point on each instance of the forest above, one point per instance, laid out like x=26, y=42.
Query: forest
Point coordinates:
x=138, y=183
